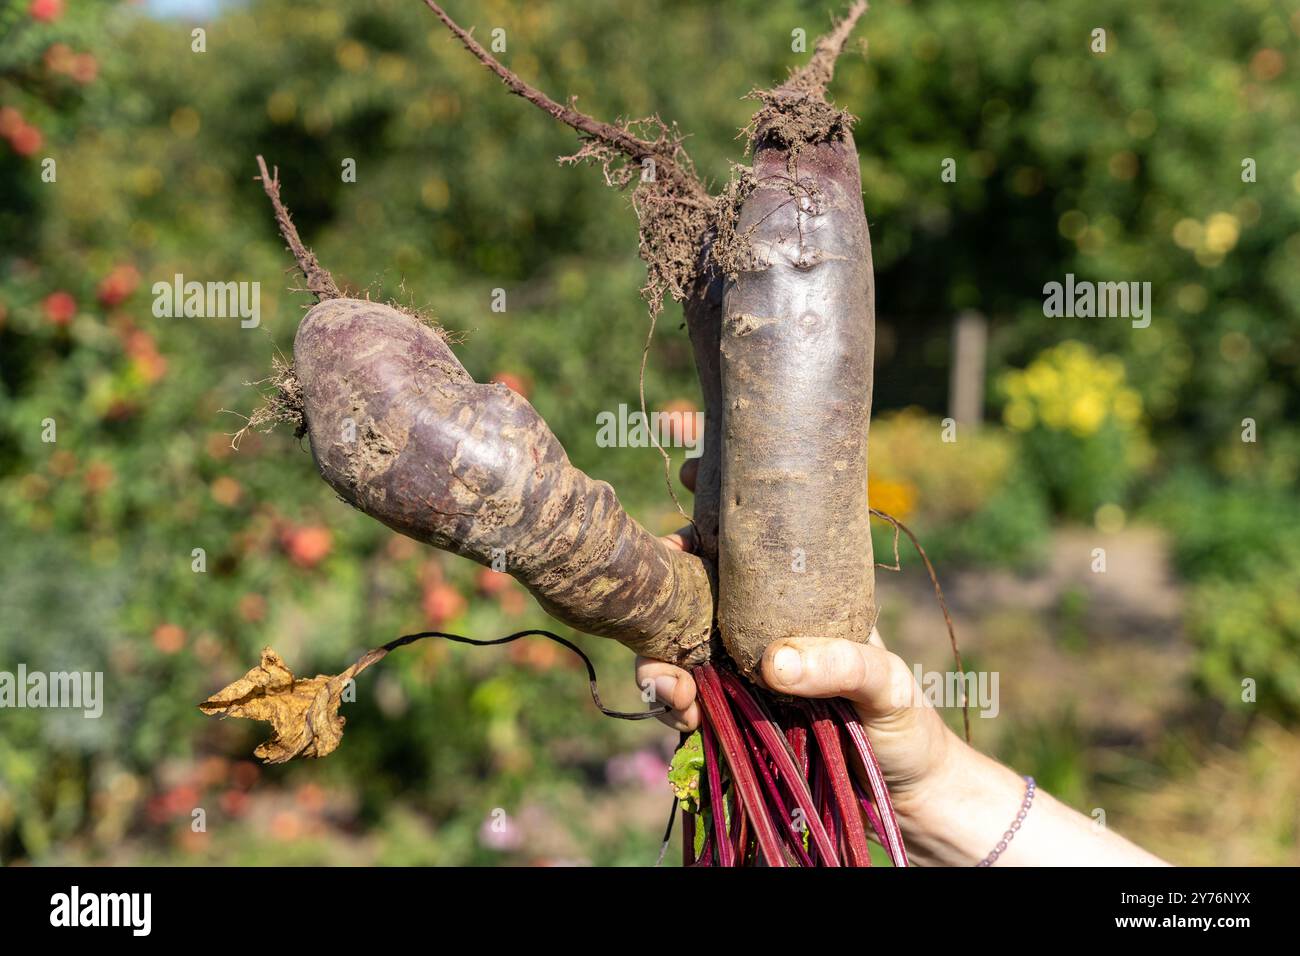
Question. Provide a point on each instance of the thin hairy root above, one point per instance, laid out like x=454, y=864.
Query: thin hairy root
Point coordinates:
x=405, y=639
x=938, y=593
x=319, y=281
x=673, y=206
x=668, y=463
x=281, y=404
x=815, y=75
x=621, y=139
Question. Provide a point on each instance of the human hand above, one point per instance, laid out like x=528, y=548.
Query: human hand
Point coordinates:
x=913, y=745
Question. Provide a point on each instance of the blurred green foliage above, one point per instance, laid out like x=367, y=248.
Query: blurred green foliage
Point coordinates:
x=1240, y=546
x=1249, y=626
x=1120, y=166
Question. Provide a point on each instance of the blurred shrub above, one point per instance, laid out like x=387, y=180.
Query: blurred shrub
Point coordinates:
x=1248, y=628
x=967, y=500
x=1218, y=530
x=1080, y=426
x=1240, y=546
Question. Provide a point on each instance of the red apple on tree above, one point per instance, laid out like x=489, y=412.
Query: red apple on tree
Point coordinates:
x=46, y=11
x=512, y=381
x=491, y=583
x=307, y=546
x=59, y=58
x=118, y=285
x=59, y=308
x=441, y=603
x=84, y=68
x=10, y=121
x=26, y=140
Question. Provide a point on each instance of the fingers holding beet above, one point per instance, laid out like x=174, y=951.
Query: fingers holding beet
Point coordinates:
x=671, y=686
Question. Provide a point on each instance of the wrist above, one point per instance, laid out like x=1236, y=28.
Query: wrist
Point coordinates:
x=948, y=761
x=961, y=811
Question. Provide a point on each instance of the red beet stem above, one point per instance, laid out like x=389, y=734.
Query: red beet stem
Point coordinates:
x=797, y=736
x=734, y=749
x=741, y=830
x=794, y=836
x=706, y=852
x=893, y=841
x=717, y=802
x=869, y=809
x=825, y=804
x=827, y=732
x=757, y=717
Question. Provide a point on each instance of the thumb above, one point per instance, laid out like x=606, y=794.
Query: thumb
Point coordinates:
x=866, y=674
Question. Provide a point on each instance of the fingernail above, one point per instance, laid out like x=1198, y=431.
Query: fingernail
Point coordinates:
x=788, y=664
x=664, y=688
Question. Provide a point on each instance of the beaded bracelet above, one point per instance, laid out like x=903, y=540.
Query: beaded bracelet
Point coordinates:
x=1015, y=825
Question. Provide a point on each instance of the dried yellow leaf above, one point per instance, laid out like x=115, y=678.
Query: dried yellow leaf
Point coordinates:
x=303, y=714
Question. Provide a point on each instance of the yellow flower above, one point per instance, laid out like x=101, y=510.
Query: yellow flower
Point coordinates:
x=1087, y=412
x=897, y=498
x=1042, y=381
x=1055, y=413
x=1069, y=387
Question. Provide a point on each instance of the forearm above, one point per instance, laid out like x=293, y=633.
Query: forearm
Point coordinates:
x=960, y=818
